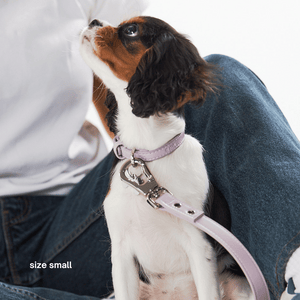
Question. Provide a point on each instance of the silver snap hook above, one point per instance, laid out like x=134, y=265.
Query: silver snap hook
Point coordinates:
x=132, y=158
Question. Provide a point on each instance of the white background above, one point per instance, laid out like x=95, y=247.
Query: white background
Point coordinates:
x=264, y=35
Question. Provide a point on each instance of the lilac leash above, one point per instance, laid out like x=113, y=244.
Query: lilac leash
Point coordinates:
x=160, y=198
x=223, y=236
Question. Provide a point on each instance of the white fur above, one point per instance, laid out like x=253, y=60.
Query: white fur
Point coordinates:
x=174, y=254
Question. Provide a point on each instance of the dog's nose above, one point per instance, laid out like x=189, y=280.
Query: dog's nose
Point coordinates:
x=95, y=22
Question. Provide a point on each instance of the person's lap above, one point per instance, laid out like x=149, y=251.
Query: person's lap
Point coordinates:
x=68, y=235
x=251, y=156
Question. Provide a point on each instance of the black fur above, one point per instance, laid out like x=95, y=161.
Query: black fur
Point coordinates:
x=216, y=207
x=170, y=73
x=111, y=116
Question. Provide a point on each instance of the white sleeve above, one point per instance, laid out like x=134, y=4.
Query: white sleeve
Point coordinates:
x=116, y=11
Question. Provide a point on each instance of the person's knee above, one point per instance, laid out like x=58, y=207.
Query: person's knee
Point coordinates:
x=234, y=75
x=220, y=60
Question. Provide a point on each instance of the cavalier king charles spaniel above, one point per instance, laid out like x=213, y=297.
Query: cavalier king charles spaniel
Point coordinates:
x=151, y=72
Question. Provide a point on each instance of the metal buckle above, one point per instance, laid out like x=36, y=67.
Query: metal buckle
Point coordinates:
x=154, y=195
x=117, y=147
x=136, y=174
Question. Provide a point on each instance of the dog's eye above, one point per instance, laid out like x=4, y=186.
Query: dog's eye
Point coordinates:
x=131, y=30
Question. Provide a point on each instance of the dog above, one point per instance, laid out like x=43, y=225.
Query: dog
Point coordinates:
x=151, y=71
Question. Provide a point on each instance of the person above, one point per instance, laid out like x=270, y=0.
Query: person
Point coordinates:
x=47, y=147
x=55, y=168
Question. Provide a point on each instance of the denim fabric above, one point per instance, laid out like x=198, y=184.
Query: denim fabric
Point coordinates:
x=252, y=157
x=9, y=292
x=291, y=287
x=57, y=230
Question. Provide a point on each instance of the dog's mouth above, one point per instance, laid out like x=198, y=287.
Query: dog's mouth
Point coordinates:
x=86, y=38
x=87, y=35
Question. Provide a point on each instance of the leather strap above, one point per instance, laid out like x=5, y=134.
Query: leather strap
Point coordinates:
x=123, y=152
x=237, y=250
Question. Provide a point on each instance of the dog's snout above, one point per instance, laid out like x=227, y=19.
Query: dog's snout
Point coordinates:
x=95, y=22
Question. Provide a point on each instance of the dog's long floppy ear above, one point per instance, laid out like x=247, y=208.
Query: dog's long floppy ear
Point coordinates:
x=106, y=106
x=170, y=74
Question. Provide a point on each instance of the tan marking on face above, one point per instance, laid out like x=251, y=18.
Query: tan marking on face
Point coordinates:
x=112, y=52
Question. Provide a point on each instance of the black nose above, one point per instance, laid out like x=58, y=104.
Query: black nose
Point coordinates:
x=95, y=22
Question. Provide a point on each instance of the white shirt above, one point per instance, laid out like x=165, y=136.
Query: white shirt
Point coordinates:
x=46, y=146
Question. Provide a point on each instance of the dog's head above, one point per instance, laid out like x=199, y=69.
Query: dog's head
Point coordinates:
x=162, y=70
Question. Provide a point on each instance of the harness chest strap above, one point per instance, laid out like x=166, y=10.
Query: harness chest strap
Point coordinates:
x=161, y=198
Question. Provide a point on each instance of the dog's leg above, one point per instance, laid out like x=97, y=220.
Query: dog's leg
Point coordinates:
x=124, y=272
x=202, y=263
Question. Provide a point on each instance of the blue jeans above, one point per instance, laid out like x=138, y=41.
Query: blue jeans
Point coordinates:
x=252, y=157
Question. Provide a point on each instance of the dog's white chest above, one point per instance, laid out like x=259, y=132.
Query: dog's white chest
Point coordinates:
x=155, y=237
x=167, y=248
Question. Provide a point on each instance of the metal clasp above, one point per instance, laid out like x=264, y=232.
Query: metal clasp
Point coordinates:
x=154, y=195
x=136, y=174
x=132, y=158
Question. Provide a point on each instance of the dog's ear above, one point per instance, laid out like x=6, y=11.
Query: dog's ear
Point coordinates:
x=106, y=106
x=170, y=74
x=111, y=116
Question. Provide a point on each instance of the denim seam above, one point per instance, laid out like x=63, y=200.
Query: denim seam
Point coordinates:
x=72, y=236
x=23, y=292
x=23, y=215
x=9, y=248
x=272, y=289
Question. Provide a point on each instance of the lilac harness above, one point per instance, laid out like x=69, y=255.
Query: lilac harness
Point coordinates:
x=160, y=198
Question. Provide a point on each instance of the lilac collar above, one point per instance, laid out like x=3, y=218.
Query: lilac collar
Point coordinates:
x=123, y=152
